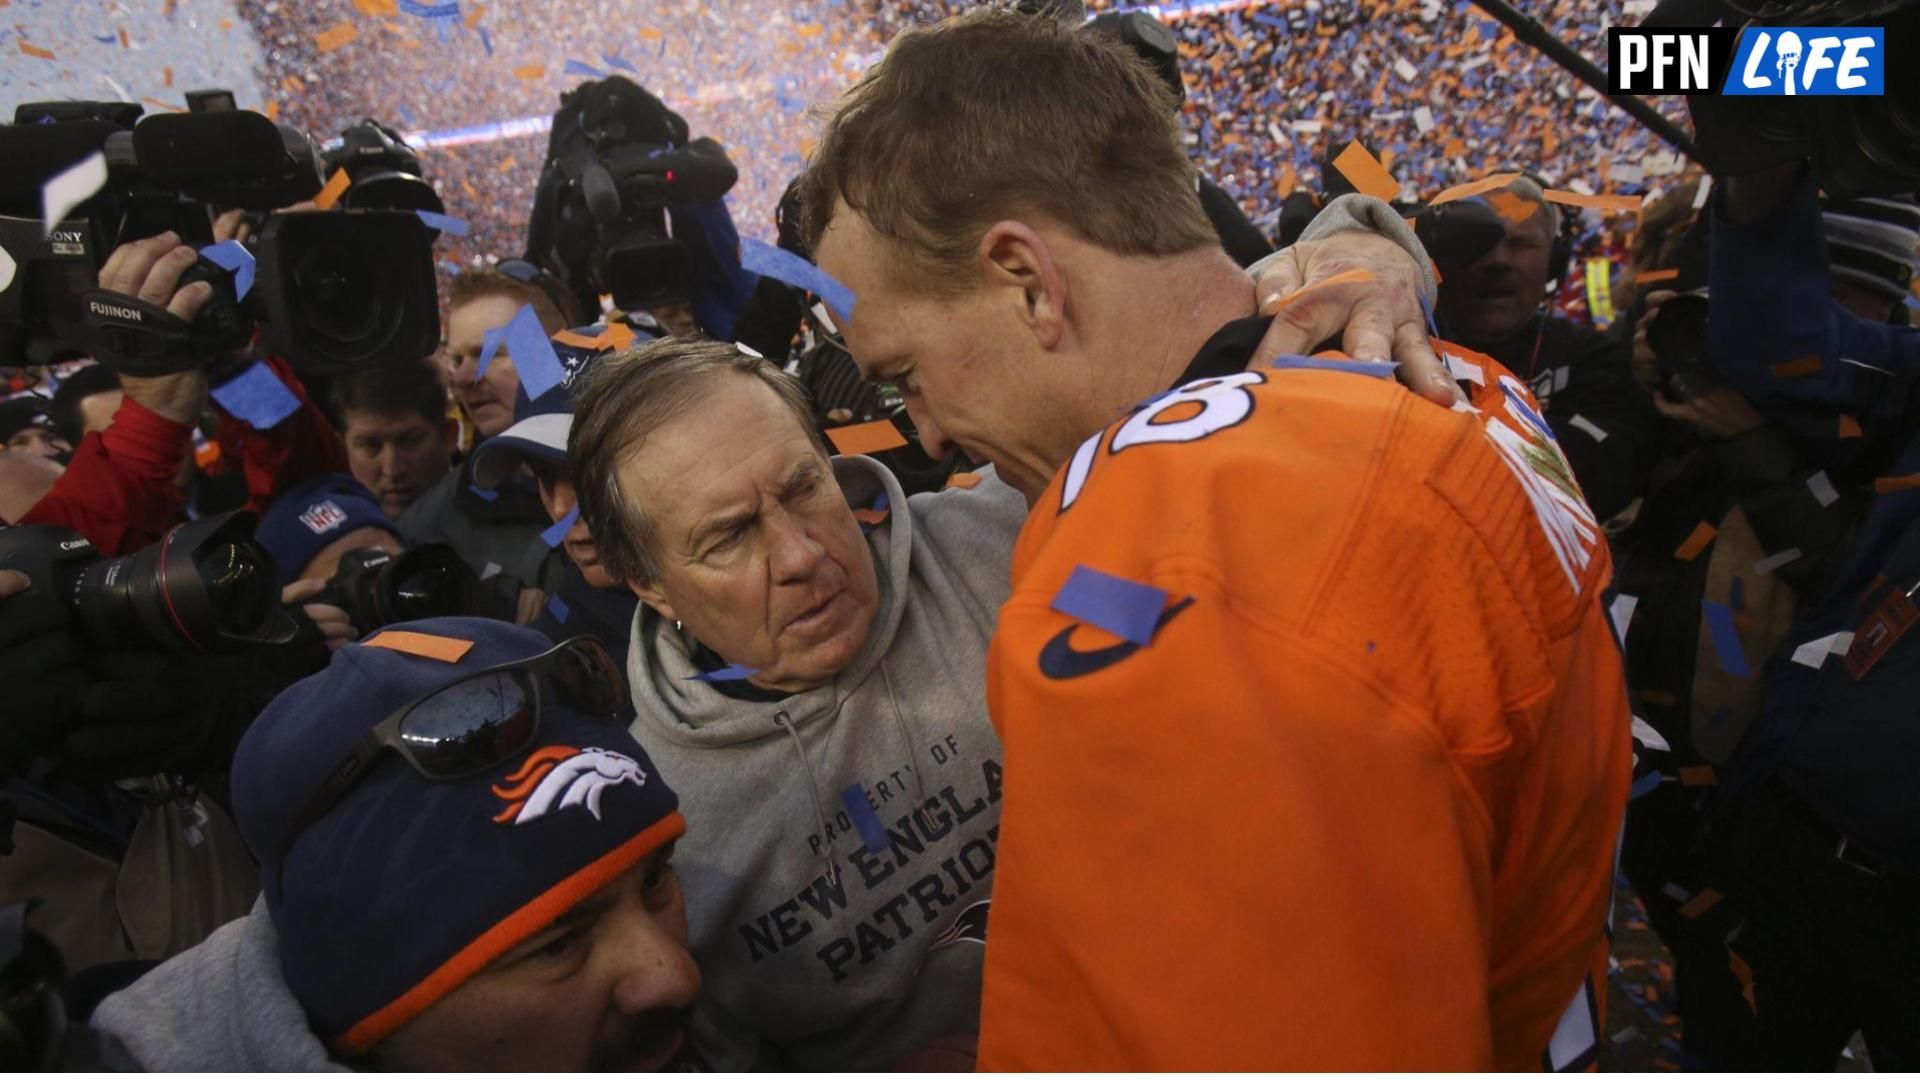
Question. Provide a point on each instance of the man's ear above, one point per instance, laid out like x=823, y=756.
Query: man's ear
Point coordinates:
x=650, y=595
x=1014, y=254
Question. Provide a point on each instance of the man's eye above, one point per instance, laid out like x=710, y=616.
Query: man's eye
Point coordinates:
x=560, y=947
x=657, y=883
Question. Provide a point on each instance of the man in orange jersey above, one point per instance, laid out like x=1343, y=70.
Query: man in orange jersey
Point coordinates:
x=1316, y=740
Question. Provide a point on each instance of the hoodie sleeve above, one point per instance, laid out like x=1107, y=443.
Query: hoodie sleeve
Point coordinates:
x=221, y=1006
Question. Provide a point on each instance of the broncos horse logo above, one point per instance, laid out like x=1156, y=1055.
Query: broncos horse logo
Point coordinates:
x=556, y=777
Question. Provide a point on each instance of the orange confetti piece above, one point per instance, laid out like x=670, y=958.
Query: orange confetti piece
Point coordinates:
x=1365, y=172
x=166, y=76
x=1849, y=427
x=530, y=72
x=650, y=34
x=1512, y=209
x=1622, y=204
x=1350, y=277
x=336, y=186
x=377, y=8
x=1474, y=187
x=334, y=37
x=226, y=24
x=36, y=51
x=1696, y=542
x=431, y=646
x=473, y=15
x=1794, y=369
x=123, y=38
x=1887, y=485
x=963, y=480
x=1701, y=903
x=272, y=110
x=868, y=438
x=507, y=164
x=869, y=517
x=167, y=105
x=1698, y=776
x=619, y=335
x=292, y=84
x=808, y=30
x=1744, y=974
x=1648, y=277
x=580, y=341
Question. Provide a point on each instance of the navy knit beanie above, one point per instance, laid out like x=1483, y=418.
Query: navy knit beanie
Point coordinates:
x=408, y=886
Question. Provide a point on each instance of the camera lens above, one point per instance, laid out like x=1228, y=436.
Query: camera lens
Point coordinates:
x=207, y=586
x=344, y=296
x=645, y=272
x=349, y=288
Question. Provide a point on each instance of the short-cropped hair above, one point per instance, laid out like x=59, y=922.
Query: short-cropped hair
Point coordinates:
x=996, y=114
x=627, y=397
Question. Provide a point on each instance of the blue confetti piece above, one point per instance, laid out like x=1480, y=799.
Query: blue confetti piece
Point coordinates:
x=451, y=267
x=533, y=354
x=663, y=48
x=430, y=11
x=766, y=260
x=442, y=222
x=257, y=396
x=614, y=61
x=575, y=67
x=486, y=40
x=1644, y=785
x=1726, y=638
x=1373, y=368
x=873, y=832
x=106, y=39
x=489, y=344
x=730, y=673
x=1433, y=328
x=230, y=255
x=882, y=502
x=557, y=608
x=485, y=494
x=1121, y=607
x=556, y=533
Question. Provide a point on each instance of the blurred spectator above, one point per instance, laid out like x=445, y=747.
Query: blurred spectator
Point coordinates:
x=26, y=426
x=86, y=402
x=309, y=528
x=400, y=440
x=1871, y=243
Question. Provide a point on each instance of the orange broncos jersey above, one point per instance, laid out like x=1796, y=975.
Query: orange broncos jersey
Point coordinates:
x=1356, y=804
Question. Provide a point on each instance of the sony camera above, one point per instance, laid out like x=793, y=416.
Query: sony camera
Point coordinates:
x=206, y=587
x=375, y=587
x=617, y=161
x=332, y=290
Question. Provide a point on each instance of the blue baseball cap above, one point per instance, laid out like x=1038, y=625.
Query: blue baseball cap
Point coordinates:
x=541, y=425
x=407, y=886
x=307, y=518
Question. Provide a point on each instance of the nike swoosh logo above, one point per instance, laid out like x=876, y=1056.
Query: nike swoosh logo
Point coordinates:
x=1060, y=660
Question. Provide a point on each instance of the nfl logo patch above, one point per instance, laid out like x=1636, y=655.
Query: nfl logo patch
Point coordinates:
x=323, y=516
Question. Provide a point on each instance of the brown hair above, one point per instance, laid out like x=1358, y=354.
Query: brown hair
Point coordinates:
x=994, y=114
x=555, y=311
x=403, y=388
x=627, y=397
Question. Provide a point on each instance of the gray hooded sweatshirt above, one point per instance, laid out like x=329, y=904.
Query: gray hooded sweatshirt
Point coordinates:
x=825, y=941
x=221, y=1006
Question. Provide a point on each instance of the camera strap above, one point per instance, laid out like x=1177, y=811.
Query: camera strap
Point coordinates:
x=136, y=338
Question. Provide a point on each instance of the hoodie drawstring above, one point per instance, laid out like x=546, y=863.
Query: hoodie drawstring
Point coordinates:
x=781, y=721
x=913, y=751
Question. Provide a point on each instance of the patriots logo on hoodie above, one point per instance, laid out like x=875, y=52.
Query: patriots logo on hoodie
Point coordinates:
x=556, y=777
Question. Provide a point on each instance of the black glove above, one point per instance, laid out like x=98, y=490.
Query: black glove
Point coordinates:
x=42, y=677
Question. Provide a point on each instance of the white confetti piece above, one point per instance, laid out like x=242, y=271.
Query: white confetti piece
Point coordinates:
x=7, y=268
x=1561, y=375
x=1582, y=423
x=1461, y=369
x=1700, y=194
x=1822, y=489
x=1679, y=894
x=1814, y=653
x=69, y=189
x=489, y=570
x=1423, y=119
x=1645, y=735
x=1774, y=562
x=825, y=320
x=1622, y=612
x=1405, y=70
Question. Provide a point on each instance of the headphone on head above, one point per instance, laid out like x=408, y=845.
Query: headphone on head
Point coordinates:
x=1560, y=256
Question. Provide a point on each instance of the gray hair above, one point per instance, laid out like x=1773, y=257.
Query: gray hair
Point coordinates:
x=624, y=399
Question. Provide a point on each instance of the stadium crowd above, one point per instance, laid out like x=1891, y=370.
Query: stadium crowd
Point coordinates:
x=1360, y=511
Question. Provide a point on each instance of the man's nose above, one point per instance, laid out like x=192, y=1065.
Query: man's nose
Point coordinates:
x=654, y=969
x=932, y=439
x=793, y=554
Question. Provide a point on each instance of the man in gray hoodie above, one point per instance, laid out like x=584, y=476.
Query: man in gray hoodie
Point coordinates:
x=807, y=665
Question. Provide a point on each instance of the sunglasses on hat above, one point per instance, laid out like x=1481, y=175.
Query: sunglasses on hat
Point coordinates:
x=480, y=720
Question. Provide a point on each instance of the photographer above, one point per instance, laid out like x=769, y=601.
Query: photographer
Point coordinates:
x=1819, y=850
x=26, y=426
x=399, y=436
